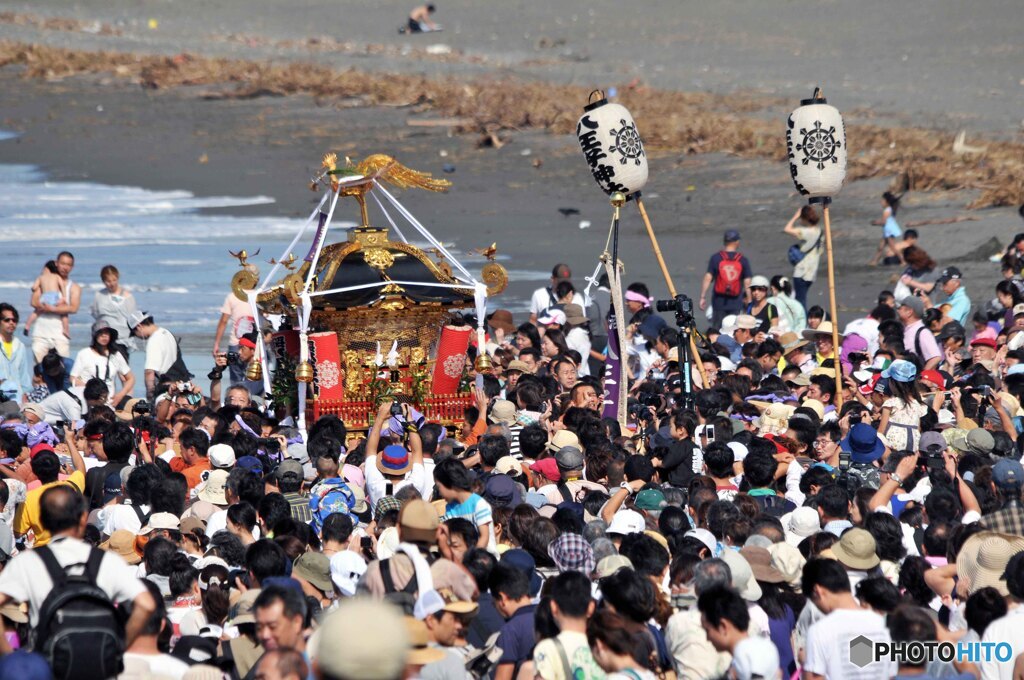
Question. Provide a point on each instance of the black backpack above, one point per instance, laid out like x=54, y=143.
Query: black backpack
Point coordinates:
x=404, y=598
x=775, y=506
x=80, y=632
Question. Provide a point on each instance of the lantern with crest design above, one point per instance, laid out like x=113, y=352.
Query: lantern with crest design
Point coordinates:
x=816, y=145
x=612, y=146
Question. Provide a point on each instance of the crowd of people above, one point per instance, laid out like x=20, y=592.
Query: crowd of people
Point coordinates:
x=752, y=528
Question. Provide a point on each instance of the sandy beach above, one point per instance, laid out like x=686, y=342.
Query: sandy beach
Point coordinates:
x=936, y=66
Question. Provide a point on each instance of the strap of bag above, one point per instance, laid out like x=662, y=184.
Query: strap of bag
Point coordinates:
x=917, y=342
x=67, y=391
x=143, y=516
x=816, y=243
x=564, y=658
x=563, y=489
x=57, y=573
x=385, y=575
x=92, y=566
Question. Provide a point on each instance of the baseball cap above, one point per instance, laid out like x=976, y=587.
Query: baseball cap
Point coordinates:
x=731, y=236
x=931, y=442
x=747, y=321
x=704, y=536
x=901, y=371
x=548, y=467
x=160, y=520
x=250, y=463
x=649, y=499
x=914, y=303
x=569, y=458
x=347, y=567
x=297, y=451
x=552, y=317
x=611, y=564
x=524, y=562
x=289, y=467
x=221, y=456
x=948, y=274
x=501, y=492
x=627, y=522
x=1007, y=473
x=981, y=441
x=508, y=465
x=759, y=282
x=136, y=318
x=984, y=342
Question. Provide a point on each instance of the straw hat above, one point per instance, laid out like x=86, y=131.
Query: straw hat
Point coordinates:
x=369, y=640
x=983, y=558
x=823, y=329
x=856, y=550
x=760, y=561
x=788, y=560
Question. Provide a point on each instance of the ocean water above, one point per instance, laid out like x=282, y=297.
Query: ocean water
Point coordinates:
x=171, y=248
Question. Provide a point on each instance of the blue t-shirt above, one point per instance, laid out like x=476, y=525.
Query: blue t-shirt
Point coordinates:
x=516, y=639
x=474, y=508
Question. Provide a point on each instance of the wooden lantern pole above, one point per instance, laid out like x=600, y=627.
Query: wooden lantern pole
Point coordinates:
x=838, y=365
x=671, y=286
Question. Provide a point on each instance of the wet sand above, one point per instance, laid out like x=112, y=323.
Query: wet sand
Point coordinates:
x=177, y=139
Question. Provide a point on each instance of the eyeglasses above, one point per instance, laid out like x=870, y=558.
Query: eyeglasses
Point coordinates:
x=9, y=319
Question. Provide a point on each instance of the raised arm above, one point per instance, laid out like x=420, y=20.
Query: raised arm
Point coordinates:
x=373, y=438
x=790, y=227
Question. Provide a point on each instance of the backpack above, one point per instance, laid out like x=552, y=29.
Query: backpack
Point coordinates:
x=328, y=497
x=776, y=506
x=404, y=598
x=729, y=279
x=80, y=631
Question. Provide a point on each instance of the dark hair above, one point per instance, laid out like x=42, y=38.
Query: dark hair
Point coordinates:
x=7, y=307
x=620, y=635
x=532, y=440
x=571, y=592
x=632, y=595
x=331, y=426
x=182, y=575
x=531, y=333
x=510, y=581
x=639, y=467
x=908, y=623
x=460, y=526
x=721, y=603
x=141, y=482
x=649, y=557
x=492, y=448
x=292, y=600
x=337, y=527
x=878, y=593
x=719, y=459
x=61, y=508
x=243, y=515
x=194, y=438
x=272, y=509
x=759, y=468
x=542, y=533
x=673, y=520
x=118, y=442
x=264, y=559
x=228, y=547
x=892, y=200
x=158, y=556
x=479, y=563
x=834, y=501
x=46, y=466
x=888, y=535
x=245, y=485
x=454, y=475
x=95, y=390
x=154, y=622
x=983, y=607
x=828, y=574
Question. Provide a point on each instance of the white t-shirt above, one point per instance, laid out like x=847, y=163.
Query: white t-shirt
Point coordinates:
x=542, y=299
x=89, y=364
x=548, y=661
x=161, y=351
x=16, y=497
x=62, y=406
x=240, y=317
x=828, y=645
x=579, y=340
x=118, y=516
x=1010, y=629
x=152, y=665
x=376, y=483
x=25, y=579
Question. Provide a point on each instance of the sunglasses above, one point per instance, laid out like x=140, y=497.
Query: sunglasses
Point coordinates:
x=9, y=319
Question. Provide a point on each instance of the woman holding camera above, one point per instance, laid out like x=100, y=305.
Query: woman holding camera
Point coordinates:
x=101, y=360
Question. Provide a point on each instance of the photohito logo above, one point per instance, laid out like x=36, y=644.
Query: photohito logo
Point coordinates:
x=864, y=651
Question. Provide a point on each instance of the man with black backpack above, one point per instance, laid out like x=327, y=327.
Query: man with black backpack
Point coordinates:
x=730, y=271
x=71, y=589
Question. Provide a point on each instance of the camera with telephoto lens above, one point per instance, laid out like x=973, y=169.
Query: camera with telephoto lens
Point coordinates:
x=232, y=357
x=396, y=409
x=682, y=305
x=638, y=411
x=141, y=407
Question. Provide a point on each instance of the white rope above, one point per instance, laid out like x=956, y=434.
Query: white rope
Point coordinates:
x=380, y=284
x=291, y=246
x=593, y=278
x=322, y=236
x=391, y=221
x=426, y=234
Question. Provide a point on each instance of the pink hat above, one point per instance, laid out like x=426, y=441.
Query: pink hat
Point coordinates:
x=549, y=468
x=353, y=474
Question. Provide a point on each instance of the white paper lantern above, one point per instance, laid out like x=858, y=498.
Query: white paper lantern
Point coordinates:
x=816, y=144
x=612, y=147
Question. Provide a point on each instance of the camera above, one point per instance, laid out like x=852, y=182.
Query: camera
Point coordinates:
x=232, y=357
x=639, y=411
x=59, y=429
x=141, y=407
x=682, y=305
x=396, y=409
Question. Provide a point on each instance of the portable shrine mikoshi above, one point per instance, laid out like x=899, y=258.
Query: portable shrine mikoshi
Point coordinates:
x=370, y=316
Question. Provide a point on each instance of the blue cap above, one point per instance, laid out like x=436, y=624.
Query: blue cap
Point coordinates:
x=250, y=463
x=731, y=235
x=863, y=444
x=1007, y=474
x=901, y=371
x=524, y=562
x=651, y=326
x=1015, y=369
